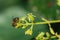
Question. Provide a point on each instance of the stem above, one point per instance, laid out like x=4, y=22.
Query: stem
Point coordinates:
x=47, y=22
x=54, y=21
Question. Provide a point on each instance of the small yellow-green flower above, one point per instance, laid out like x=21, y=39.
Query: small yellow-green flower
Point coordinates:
x=23, y=18
x=52, y=31
x=28, y=32
x=18, y=25
x=40, y=35
x=30, y=17
x=47, y=34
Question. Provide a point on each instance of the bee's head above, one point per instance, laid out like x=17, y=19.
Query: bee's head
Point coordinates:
x=15, y=21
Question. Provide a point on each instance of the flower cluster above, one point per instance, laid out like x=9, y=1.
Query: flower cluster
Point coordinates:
x=25, y=22
x=47, y=37
x=29, y=20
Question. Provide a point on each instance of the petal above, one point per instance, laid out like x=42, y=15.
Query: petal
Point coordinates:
x=30, y=17
x=28, y=32
x=47, y=34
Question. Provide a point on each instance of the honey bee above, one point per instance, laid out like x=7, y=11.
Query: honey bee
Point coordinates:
x=14, y=21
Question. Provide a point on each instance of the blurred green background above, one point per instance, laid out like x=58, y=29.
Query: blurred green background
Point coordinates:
x=18, y=8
